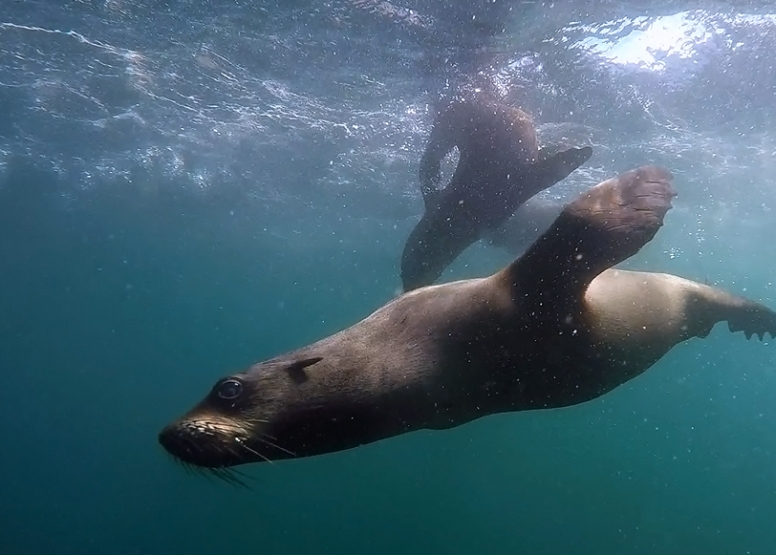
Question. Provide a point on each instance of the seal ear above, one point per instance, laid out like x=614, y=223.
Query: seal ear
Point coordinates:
x=296, y=368
x=602, y=227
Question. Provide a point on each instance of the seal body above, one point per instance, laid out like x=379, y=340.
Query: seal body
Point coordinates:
x=557, y=327
x=500, y=167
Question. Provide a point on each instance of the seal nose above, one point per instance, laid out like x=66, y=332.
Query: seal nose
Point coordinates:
x=189, y=444
x=169, y=439
x=178, y=443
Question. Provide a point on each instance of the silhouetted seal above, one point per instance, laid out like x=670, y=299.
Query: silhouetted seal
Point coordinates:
x=500, y=167
x=530, y=220
x=557, y=327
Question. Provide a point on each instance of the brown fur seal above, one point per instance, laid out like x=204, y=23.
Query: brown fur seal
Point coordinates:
x=557, y=327
x=499, y=168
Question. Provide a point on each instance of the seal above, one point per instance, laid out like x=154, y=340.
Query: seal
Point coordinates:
x=556, y=327
x=529, y=221
x=500, y=167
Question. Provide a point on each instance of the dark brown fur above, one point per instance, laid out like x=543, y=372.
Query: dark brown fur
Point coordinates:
x=557, y=327
x=499, y=168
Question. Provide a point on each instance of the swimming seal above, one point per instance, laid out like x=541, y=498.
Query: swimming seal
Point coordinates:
x=500, y=167
x=556, y=327
x=530, y=220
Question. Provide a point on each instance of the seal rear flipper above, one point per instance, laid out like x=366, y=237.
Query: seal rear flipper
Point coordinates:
x=710, y=305
x=753, y=319
x=602, y=227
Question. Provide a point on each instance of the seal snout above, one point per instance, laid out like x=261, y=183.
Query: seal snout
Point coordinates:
x=198, y=444
x=178, y=444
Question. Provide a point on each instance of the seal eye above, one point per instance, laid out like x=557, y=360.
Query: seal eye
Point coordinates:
x=229, y=389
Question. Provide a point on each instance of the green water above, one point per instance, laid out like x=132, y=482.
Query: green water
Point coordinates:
x=118, y=315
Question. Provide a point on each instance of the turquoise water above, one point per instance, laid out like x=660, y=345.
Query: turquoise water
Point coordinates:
x=189, y=187
x=116, y=320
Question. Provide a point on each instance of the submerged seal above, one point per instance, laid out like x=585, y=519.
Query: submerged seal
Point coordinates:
x=557, y=327
x=500, y=167
x=530, y=220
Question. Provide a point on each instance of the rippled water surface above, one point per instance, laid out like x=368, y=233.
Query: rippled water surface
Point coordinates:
x=188, y=187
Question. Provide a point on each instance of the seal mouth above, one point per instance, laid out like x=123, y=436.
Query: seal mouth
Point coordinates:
x=185, y=449
x=215, y=444
x=205, y=444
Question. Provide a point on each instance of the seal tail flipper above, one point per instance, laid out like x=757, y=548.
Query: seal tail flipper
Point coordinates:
x=605, y=225
x=753, y=319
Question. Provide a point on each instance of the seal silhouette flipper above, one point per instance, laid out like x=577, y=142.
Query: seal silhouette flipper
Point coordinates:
x=528, y=181
x=602, y=227
x=554, y=168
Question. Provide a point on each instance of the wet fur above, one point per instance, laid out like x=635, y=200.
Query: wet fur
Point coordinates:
x=557, y=327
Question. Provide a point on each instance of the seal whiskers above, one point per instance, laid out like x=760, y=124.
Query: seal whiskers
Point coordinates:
x=229, y=475
x=241, y=444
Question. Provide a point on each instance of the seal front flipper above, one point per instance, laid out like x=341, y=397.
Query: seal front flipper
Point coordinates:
x=602, y=227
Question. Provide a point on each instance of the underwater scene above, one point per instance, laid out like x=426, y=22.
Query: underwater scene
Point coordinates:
x=392, y=208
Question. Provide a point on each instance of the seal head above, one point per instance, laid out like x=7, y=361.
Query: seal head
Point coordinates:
x=228, y=427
